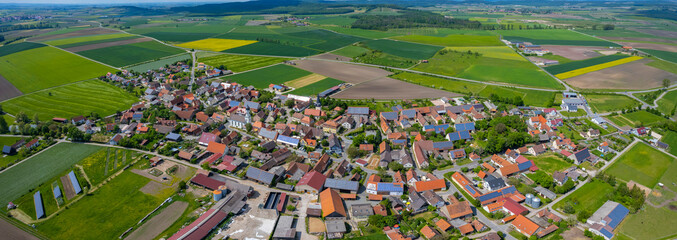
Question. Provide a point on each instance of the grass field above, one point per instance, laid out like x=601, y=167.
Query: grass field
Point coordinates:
x=590, y=196
x=370, y=34
x=72, y=100
x=607, y=103
x=664, y=65
x=316, y=87
x=650, y=223
x=643, y=117
x=185, y=32
x=453, y=40
x=272, y=49
x=597, y=67
x=332, y=20
x=502, y=52
x=32, y=172
x=15, y=48
x=159, y=63
x=216, y=44
x=101, y=164
x=351, y=51
x=642, y=164
x=553, y=37
x=113, y=208
x=671, y=139
x=570, y=66
x=618, y=32
x=45, y=67
x=129, y=54
x=665, y=55
x=7, y=159
x=240, y=63
x=261, y=78
x=668, y=103
x=403, y=49
x=550, y=162
x=68, y=42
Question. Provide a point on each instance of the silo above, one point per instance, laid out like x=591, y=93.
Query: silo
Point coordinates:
x=223, y=190
x=536, y=202
x=217, y=195
x=530, y=197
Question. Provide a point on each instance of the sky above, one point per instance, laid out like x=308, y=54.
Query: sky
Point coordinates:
x=111, y=1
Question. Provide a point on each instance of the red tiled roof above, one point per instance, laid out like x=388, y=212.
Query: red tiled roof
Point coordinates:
x=430, y=185
x=313, y=179
x=524, y=225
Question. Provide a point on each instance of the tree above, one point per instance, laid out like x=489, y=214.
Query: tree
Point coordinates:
x=182, y=184
x=583, y=215
x=666, y=84
x=36, y=119
x=395, y=166
x=289, y=103
x=1, y=111
x=4, y=128
x=22, y=118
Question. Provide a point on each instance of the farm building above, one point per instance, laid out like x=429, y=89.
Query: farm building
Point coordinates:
x=39, y=209
x=284, y=229
x=74, y=182
x=607, y=218
x=332, y=205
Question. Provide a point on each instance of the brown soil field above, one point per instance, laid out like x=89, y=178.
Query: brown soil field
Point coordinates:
x=329, y=56
x=662, y=47
x=83, y=32
x=349, y=73
x=154, y=188
x=303, y=81
x=160, y=222
x=574, y=52
x=633, y=75
x=67, y=187
x=107, y=44
x=660, y=33
x=640, y=39
x=7, y=90
x=27, y=33
x=315, y=225
x=387, y=88
x=10, y=231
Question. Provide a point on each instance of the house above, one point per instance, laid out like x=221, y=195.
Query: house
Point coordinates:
x=430, y=233
x=443, y=225
x=465, y=184
x=493, y=183
x=605, y=220
x=358, y=111
x=572, y=104
x=458, y=210
x=417, y=203
x=640, y=131
x=206, y=138
x=311, y=182
x=367, y=147
x=332, y=205
x=581, y=156
x=546, y=193
x=335, y=228
x=591, y=133
x=361, y=210
x=260, y=176
x=559, y=177
x=604, y=147
x=344, y=186
x=457, y=154
x=115, y=139
x=525, y=226
x=435, y=185
x=537, y=149
x=335, y=144
x=239, y=121
x=433, y=199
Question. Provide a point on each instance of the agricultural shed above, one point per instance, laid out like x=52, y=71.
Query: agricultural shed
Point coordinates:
x=75, y=183
x=284, y=229
x=39, y=210
x=341, y=185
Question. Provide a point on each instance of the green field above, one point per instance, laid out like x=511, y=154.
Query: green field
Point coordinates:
x=45, y=67
x=453, y=40
x=7, y=159
x=113, y=208
x=102, y=164
x=643, y=117
x=72, y=100
x=351, y=51
x=68, y=42
x=261, y=78
x=671, y=139
x=316, y=87
x=159, y=63
x=271, y=49
x=129, y=54
x=184, y=32
x=565, y=67
x=650, y=223
x=26, y=204
x=550, y=162
x=332, y=20
x=370, y=34
x=590, y=196
x=663, y=65
x=642, y=164
x=618, y=32
x=32, y=172
x=240, y=63
x=553, y=37
x=601, y=103
x=665, y=55
x=403, y=49
x=668, y=103
x=384, y=59
x=15, y=48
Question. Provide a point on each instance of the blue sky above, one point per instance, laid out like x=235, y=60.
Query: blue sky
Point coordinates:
x=111, y=1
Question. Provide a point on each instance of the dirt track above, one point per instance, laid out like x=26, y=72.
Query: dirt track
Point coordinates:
x=342, y=71
x=633, y=75
x=10, y=231
x=7, y=90
x=107, y=44
x=160, y=222
x=387, y=88
x=83, y=32
x=574, y=52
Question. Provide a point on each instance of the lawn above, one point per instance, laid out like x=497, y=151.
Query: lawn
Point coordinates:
x=159, y=63
x=261, y=78
x=68, y=101
x=642, y=164
x=590, y=196
x=129, y=54
x=316, y=87
x=7, y=159
x=665, y=55
x=240, y=63
x=68, y=42
x=644, y=117
x=670, y=138
x=570, y=66
x=668, y=103
x=216, y=44
x=601, y=103
x=32, y=172
x=453, y=40
x=650, y=223
x=550, y=162
x=45, y=67
x=403, y=49
x=113, y=208
x=553, y=37
x=351, y=51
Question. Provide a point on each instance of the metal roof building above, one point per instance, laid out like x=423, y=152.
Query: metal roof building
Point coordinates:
x=260, y=175
x=358, y=110
x=39, y=210
x=74, y=182
x=605, y=220
x=342, y=185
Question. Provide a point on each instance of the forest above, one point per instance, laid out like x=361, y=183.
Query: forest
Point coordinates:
x=412, y=19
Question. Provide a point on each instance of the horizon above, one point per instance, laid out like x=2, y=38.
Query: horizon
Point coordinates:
x=113, y=2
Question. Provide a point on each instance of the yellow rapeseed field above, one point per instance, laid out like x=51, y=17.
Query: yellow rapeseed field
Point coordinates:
x=597, y=67
x=216, y=44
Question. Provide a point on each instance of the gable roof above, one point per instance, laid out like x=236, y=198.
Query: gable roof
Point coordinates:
x=525, y=225
x=331, y=203
x=313, y=179
x=430, y=185
x=215, y=147
x=260, y=175
x=458, y=209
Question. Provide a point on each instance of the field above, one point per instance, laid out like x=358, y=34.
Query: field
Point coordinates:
x=183, y=32
x=271, y=49
x=240, y=63
x=597, y=67
x=342, y=71
x=72, y=100
x=403, y=49
x=305, y=80
x=107, y=44
x=102, y=164
x=78, y=41
x=68, y=33
x=263, y=77
x=129, y=54
x=113, y=208
x=574, y=52
x=642, y=164
x=453, y=40
x=608, y=103
x=668, y=56
x=650, y=223
x=550, y=162
x=664, y=65
x=590, y=196
x=7, y=159
x=668, y=103
x=643, y=117
x=158, y=223
x=316, y=87
x=388, y=88
x=351, y=51
x=671, y=139
x=332, y=20
x=566, y=67
x=553, y=37
x=370, y=34
x=15, y=48
x=32, y=172
x=46, y=67
x=215, y=44
x=623, y=77
x=159, y=63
